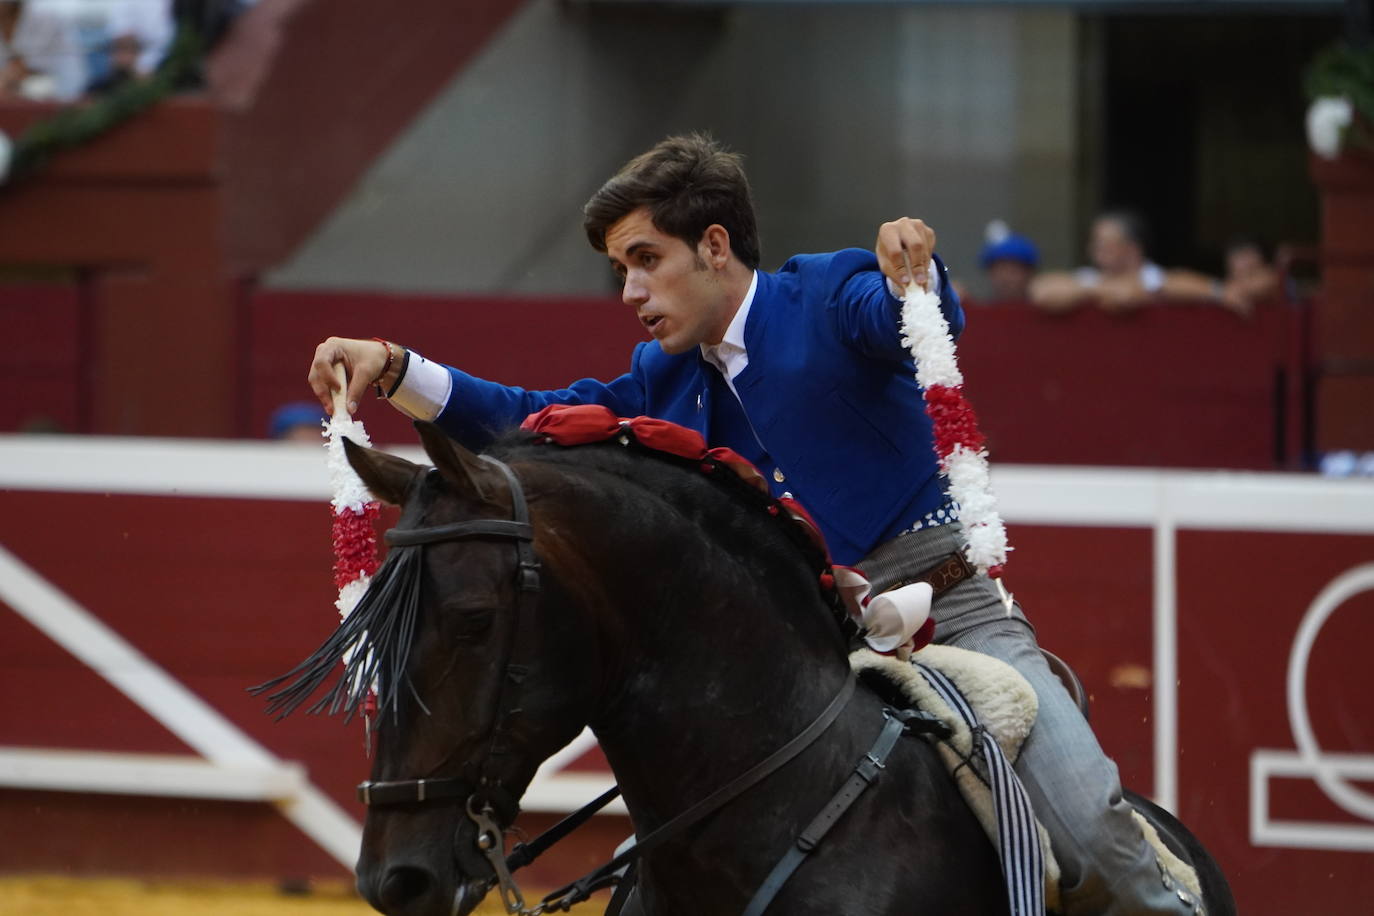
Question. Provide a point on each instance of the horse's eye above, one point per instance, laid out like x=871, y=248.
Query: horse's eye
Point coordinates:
x=470, y=622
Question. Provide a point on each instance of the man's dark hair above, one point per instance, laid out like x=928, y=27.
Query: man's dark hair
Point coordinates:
x=1241, y=242
x=688, y=183
x=1132, y=224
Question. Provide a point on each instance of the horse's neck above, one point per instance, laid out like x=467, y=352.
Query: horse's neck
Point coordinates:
x=719, y=665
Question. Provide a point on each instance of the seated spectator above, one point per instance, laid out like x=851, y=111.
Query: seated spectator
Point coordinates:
x=1008, y=262
x=147, y=22
x=1250, y=273
x=123, y=66
x=298, y=421
x=1249, y=279
x=1121, y=275
x=40, y=57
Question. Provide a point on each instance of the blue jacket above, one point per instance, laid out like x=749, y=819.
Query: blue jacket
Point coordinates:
x=831, y=409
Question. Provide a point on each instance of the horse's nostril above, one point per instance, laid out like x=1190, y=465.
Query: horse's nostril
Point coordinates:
x=402, y=886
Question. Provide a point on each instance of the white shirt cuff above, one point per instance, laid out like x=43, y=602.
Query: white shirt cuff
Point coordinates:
x=424, y=392
x=934, y=286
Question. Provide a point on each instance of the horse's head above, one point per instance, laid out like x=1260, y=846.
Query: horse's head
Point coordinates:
x=468, y=653
x=673, y=597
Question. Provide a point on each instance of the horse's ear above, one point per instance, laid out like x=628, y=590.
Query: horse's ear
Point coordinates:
x=457, y=465
x=387, y=476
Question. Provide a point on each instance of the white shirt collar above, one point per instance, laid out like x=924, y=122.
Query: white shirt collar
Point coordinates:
x=730, y=356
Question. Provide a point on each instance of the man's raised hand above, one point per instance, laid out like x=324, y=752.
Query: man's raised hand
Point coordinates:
x=363, y=361
x=915, y=238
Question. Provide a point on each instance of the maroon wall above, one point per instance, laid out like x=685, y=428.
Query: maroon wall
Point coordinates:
x=1343, y=338
x=1172, y=386
x=536, y=343
x=1162, y=386
x=45, y=387
x=1166, y=386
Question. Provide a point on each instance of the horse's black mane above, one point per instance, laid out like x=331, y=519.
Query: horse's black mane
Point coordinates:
x=724, y=504
x=374, y=642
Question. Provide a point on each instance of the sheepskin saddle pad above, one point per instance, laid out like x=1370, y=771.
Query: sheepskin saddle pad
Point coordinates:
x=1006, y=705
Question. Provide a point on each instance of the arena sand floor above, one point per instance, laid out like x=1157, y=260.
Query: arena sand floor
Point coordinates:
x=59, y=896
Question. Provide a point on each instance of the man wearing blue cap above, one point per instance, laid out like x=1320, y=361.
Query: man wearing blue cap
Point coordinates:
x=1009, y=262
x=299, y=421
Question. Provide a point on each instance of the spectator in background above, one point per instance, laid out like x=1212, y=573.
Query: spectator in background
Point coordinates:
x=142, y=24
x=150, y=23
x=1008, y=262
x=123, y=65
x=124, y=40
x=298, y=421
x=1249, y=279
x=1250, y=273
x=40, y=57
x=1121, y=276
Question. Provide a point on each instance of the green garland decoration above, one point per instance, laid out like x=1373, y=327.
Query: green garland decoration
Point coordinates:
x=80, y=124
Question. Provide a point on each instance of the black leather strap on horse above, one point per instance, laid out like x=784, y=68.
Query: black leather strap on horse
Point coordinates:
x=411, y=791
x=476, y=528
x=866, y=772
x=525, y=853
x=421, y=791
x=584, y=887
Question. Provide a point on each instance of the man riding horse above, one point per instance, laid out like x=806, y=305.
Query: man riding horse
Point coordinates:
x=804, y=372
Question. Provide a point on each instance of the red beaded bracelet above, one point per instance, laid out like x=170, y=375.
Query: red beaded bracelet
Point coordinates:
x=390, y=358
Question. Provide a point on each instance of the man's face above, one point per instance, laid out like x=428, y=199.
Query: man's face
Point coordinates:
x=1111, y=249
x=676, y=294
x=1010, y=280
x=1243, y=261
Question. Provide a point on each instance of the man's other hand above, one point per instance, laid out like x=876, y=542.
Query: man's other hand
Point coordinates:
x=913, y=236
x=363, y=361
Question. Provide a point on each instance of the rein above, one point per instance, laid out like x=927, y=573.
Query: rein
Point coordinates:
x=570, y=894
x=481, y=797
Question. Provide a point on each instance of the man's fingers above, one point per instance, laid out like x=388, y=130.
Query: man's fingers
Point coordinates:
x=904, y=249
x=321, y=376
x=324, y=375
x=357, y=387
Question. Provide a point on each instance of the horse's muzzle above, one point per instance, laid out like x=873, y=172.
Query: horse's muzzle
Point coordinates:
x=413, y=890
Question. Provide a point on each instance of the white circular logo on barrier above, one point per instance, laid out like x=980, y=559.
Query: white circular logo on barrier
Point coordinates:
x=1326, y=770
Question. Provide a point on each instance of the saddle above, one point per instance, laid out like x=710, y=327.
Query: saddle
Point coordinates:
x=1006, y=706
x=1004, y=703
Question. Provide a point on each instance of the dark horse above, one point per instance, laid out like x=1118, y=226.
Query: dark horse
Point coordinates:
x=687, y=630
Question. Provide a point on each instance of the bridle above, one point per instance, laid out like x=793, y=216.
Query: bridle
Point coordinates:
x=487, y=802
x=485, y=799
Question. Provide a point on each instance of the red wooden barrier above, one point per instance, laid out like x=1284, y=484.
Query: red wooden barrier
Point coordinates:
x=1165, y=386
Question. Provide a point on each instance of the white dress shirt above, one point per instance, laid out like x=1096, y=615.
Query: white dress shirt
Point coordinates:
x=730, y=356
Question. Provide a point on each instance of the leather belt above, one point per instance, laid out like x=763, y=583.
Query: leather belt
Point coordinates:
x=943, y=576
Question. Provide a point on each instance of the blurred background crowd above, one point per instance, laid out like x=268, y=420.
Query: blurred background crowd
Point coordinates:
x=1074, y=159
x=65, y=50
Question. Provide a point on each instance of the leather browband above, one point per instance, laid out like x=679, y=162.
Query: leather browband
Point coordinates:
x=476, y=528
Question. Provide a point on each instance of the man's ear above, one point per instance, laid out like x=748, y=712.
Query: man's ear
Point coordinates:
x=457, y=465
x=387, y=476
x=714, y=246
